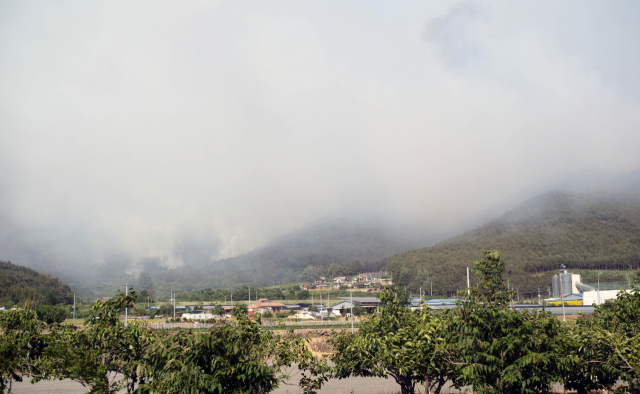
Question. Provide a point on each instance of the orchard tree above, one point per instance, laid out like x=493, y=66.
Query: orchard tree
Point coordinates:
x=396, y=343
x=20, y=345
x=97, y=355
x=607, y=346
x=497, y=349
x=52, y=314
x=240, y=358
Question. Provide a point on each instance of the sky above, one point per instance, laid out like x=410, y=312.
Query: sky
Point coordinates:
x=138, y=127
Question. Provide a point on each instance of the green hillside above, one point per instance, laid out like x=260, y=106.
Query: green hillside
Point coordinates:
x=595, y=231
x=21, y=285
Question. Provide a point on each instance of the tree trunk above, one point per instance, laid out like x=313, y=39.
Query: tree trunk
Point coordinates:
x=441, y=382
x=407, y=386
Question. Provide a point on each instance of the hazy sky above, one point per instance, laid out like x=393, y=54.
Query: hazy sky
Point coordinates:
x=133, y=125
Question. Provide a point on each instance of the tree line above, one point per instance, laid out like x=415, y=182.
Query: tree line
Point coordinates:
x=483, y=344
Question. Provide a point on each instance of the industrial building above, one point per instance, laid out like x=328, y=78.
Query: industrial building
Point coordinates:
x=570, y=288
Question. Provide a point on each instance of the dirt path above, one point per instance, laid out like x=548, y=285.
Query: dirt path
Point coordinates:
x=335, y=386
x=50, y=387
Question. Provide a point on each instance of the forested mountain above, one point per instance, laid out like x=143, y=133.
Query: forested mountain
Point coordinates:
x=21, y=285
x=582, y=230
x=334, y=246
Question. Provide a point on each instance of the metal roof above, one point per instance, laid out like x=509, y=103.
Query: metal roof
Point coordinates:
x=362, y=300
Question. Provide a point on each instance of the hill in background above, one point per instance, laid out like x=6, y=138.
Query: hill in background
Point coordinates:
x=331, y=246
x=21, y=285
x=582, y=230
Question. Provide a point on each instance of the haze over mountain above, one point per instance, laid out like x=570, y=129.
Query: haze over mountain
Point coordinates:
x=596, y=230
x=355, y=243
x=179, y=135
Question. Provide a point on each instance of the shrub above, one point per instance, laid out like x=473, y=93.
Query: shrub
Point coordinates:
x=51, y=314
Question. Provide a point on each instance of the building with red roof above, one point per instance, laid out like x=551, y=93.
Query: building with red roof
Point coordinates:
x=263, y=305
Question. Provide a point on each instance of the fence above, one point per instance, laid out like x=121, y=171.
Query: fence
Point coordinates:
x=607, y=286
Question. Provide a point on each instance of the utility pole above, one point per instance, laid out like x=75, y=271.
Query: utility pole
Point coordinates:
x=126, y=310
x=74, y=306
x=328, y=295
x=468, y=285
x=432, y=288
x=351, y=295
x=564, y=316
x=628, y=281
x=173, y=301
x=598, y=299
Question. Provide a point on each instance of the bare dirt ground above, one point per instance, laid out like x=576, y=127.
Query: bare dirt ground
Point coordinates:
x=344, y=386
x=50, y=387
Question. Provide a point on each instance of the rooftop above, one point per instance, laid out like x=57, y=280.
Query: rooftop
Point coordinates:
x=362, y=300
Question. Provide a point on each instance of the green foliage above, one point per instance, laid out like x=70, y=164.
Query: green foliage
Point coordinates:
x=227, y=359
x=23, y=286
x=241, y=294
x=52, y=314
x=483, y=344
x=397, y=343
x=423, y=279
x=497, y=349
x=20, y=344
x=239, y=358
x=218, y=310
x=93, y=356
x=240, y=311
x=358, y=310
x=143, y=296
x=404, y=278
x=607, y=346
x=144, y=281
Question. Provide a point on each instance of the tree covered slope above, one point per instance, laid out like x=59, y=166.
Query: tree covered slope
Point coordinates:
x=583, y=231
x=21, y=285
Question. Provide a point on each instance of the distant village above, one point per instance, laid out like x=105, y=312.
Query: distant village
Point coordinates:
x=317, y=309
x=567, y=288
